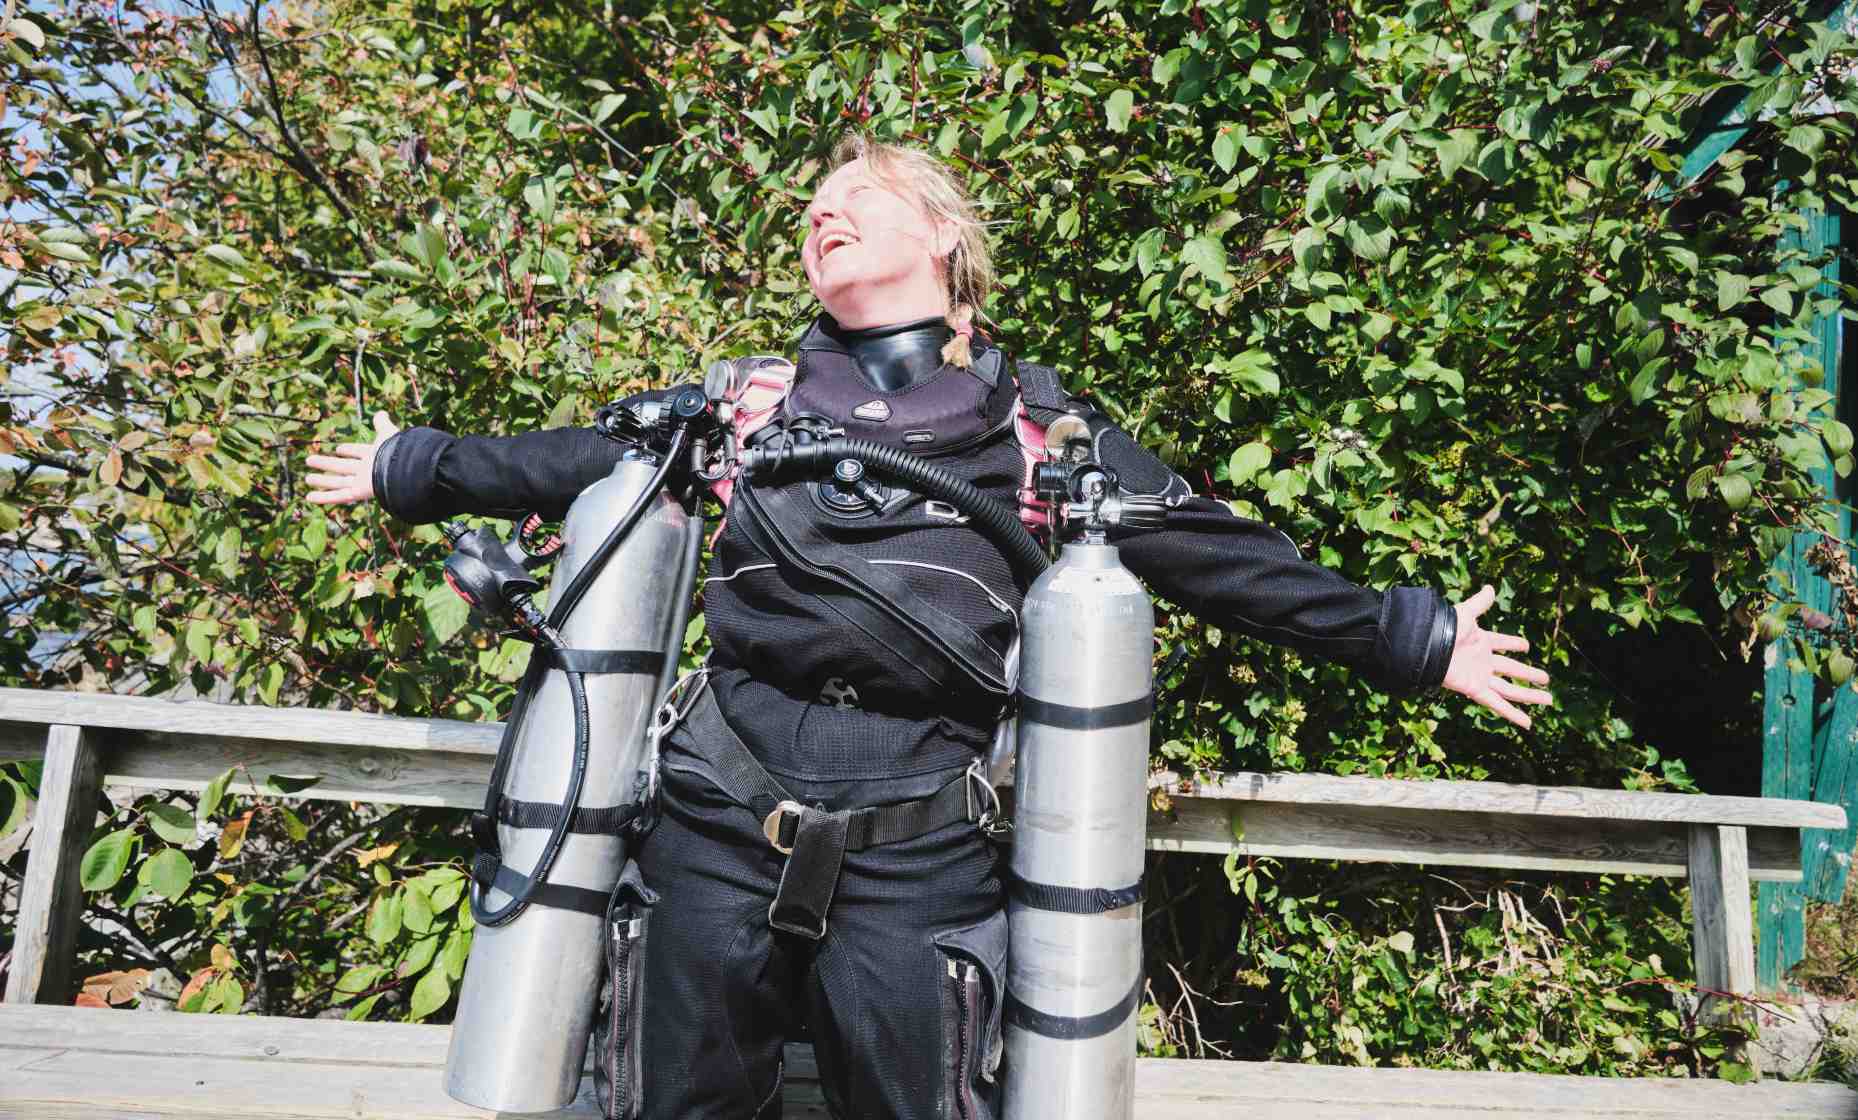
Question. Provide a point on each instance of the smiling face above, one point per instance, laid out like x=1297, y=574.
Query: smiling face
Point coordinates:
x=872, y=252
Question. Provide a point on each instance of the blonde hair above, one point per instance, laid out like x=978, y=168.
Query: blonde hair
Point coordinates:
x=968, y=270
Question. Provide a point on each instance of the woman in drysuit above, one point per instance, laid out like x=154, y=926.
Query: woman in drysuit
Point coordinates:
x=870, y=911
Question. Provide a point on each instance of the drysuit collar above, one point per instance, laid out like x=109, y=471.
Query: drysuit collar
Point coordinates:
x=890, y=358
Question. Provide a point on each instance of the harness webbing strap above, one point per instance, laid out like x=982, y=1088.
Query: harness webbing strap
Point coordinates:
x=816, y=840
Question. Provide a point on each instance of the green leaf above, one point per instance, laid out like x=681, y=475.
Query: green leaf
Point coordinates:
x=1325, y=195
x=1207, y=256
x=1117, y=110
x=416, y=910
x=172, y=823
x=12, y=805
x=457, y=951
x=28, y=32
x=1780, y=299
x=1307, y=247
x=1401, y=942
x=215, y=792
x=384, y=917
x=359, y=979
x=1370, y=238
x=430, y=243
x=282, y=784
x=1837, y=435
x=65, y=251
x=226, y=255
x=445, y=612
x=105, y=861
x=612, y=101
x=1248, y=461
x=1456, y=151
x=1225, y=147
x=430, y=994
x=1254, y=370
x=169, y=873
x=396, y=269
x=1731, y=289
x=1735, y=490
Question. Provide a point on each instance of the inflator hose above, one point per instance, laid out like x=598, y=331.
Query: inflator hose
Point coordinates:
x=1022, y=549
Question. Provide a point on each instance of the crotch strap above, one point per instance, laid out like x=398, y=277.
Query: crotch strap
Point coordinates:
x=813, y=839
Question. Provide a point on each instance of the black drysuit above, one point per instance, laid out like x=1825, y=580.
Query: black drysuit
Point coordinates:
x=902, y=994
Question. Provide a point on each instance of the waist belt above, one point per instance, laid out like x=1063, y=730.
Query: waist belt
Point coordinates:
x=814, y=840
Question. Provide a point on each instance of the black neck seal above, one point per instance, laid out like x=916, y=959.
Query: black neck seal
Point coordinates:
x=895, y=356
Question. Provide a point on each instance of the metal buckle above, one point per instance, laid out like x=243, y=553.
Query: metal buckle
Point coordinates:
x=771, y=828
x=990, y=821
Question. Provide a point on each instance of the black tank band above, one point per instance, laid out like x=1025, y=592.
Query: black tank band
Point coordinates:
x=1085, y=719
x=556, y=896
x=1073, y=900
x=1072, y=1028
x=602, y=660
x=608, y=820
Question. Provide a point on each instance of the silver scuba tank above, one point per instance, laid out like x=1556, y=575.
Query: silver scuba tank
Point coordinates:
x=1074, y=911
x=526, y=1003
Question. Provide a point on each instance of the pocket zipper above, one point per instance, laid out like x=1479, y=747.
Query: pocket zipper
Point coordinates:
x=967, y=999
x=621, y=1039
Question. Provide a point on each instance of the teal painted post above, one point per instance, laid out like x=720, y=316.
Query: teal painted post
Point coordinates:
x=1826, y=858
x=1809, y=751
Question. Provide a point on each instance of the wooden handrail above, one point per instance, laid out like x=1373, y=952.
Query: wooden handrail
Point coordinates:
x=1720, y=842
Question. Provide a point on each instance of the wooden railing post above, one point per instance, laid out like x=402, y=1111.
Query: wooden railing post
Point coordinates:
x=1722, y=930
x=51, y=901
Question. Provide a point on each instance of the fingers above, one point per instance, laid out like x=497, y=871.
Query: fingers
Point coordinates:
x=331, y=481
x=335, y=497
x=1519, y=694
x=355, y=450
x=1510, y=667
x=331, y=463
x=1508, y=643
x=383, y=426
x=1480, y=602
x=1505, y=709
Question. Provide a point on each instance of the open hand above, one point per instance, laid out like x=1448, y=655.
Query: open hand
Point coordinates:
x=348, y=475
x=1480, y=670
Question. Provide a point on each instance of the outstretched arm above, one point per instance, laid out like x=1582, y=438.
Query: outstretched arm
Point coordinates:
x=1247, y=576
x=423, y=474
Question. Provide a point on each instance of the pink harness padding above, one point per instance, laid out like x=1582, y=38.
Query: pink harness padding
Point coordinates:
x=759, y=399
x=1034, y=512
x=756, y=402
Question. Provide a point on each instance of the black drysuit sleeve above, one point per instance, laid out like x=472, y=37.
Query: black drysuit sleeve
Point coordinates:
x=1246, y=576
x=423, y=474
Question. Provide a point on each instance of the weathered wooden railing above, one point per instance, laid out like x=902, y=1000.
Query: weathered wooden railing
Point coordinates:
x=89, y=740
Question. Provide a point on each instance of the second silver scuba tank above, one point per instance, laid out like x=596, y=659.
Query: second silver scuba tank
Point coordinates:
x=1074, y=903
x=528, y=995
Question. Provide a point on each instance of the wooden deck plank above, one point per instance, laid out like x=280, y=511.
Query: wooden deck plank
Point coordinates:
x=62, y=1062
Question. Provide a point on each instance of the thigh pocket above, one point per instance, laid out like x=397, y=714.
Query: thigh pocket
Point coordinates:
x=972, y=961
x=616, y=1023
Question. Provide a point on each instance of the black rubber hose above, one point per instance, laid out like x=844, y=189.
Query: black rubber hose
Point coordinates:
x=584, y=579
x=577, y=777
x=1001, y=524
